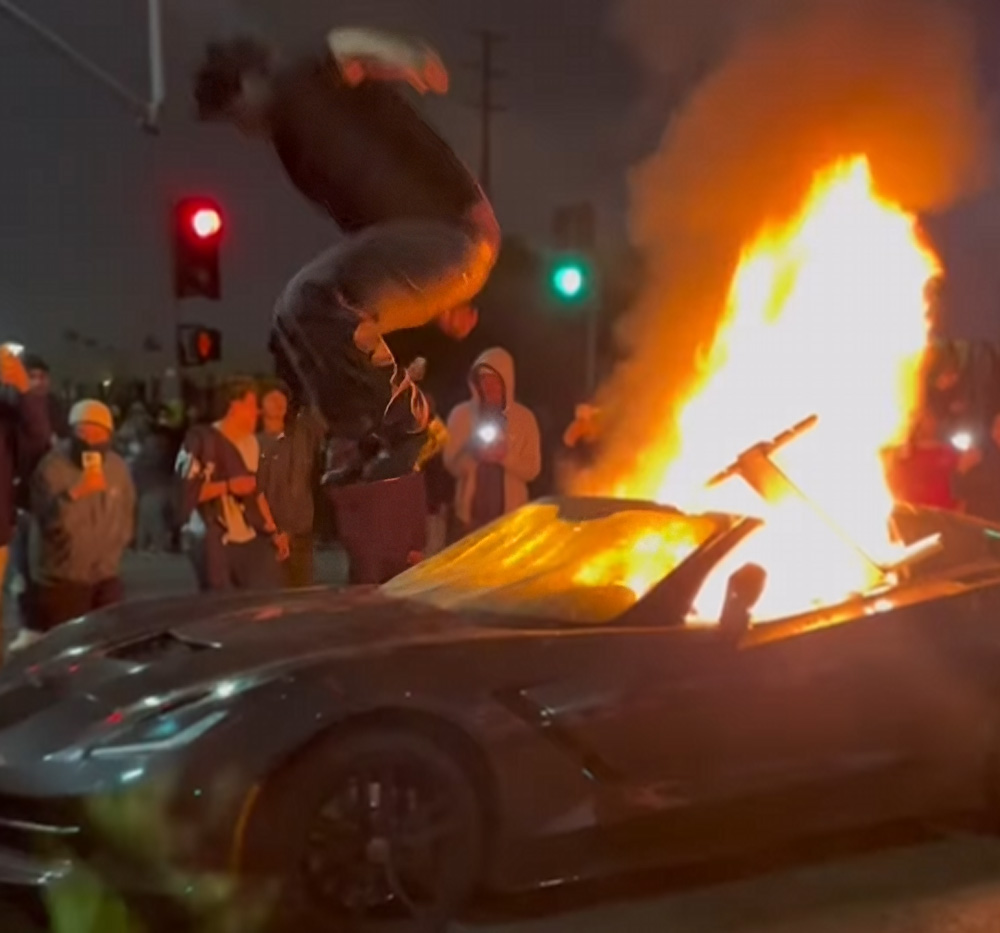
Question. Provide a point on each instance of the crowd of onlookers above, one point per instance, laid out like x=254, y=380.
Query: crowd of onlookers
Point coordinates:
x=244, y=483
x=247, y=484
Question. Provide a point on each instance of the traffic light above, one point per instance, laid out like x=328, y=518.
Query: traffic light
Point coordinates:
x=198, y=345
x=571, y=280
x=197, y=234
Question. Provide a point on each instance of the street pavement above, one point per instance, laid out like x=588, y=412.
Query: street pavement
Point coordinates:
x=947, y=886
x=897, y=881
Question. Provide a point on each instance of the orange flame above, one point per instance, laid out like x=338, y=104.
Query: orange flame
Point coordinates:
x=826, y=315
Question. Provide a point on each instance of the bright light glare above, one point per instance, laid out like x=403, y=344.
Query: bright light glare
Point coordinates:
x=206, y=222
x=568, y=281
x=225, y=689
x=962, y=441
x=488, y=433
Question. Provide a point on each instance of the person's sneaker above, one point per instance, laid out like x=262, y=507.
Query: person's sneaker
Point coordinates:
x=25, y=639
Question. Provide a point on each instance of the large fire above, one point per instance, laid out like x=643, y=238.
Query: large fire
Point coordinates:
x=826, y=315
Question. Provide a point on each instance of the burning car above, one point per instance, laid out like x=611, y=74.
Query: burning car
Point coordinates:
x=591, y=684
x=544, y=701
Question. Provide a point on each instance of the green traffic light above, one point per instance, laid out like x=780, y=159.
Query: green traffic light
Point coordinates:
x=569, y=281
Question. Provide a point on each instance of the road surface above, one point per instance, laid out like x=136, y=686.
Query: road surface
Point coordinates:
x=903, y=882
x=949, y=886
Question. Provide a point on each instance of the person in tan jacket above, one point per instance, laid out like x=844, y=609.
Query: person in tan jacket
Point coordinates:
x=494, y=445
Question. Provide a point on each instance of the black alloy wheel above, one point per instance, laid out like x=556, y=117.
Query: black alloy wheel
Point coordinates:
x=373, y=831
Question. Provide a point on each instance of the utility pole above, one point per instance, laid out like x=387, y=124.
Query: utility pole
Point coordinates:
x=486, y=105
x=148, y=111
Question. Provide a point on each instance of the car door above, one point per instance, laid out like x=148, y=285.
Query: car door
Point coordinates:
x=685, y=725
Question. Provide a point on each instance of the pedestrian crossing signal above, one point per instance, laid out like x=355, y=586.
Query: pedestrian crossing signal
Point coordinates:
x=198, y=346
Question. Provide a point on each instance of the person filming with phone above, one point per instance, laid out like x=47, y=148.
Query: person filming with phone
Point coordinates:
x=82, y=503
x=494, y=446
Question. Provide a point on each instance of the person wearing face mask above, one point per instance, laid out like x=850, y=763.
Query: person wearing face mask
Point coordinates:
x=82, y=506
x=494, y=445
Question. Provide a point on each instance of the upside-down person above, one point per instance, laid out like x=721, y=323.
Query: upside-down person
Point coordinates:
x=421, y=239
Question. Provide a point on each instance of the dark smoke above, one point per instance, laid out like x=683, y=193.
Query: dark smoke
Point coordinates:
x=786, y=88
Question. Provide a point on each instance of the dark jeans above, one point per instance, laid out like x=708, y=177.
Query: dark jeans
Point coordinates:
x=381, y=525
x=250, y=566
x=402, y=274
x=299, y=570
x=52, y=604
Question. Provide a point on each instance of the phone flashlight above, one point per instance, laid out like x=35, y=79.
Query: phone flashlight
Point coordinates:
x=488, y=432
x=963, y=441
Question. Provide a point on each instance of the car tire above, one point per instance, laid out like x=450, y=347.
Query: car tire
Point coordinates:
x=329, y=871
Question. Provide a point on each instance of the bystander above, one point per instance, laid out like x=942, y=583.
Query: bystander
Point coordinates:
x=231, y=535
x=977, y=485
x=922, y=471
x=40, y=381
x=82, y=520
x=25, y=435
x=291, y=443
x=494, y=446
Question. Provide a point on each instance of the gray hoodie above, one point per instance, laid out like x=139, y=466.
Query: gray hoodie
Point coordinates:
x=82, y=541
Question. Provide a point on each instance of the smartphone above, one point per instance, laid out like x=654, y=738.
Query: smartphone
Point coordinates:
x=92, y=460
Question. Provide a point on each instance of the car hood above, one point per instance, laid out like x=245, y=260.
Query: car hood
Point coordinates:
x=275, y=626
x=87, y=670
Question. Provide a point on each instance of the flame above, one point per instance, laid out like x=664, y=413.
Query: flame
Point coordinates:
x=826, y=315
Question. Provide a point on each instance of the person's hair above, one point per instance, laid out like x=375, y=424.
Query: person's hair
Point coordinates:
x=219, y=81
x=235, y=389
x=275, y=385
x=34, y=363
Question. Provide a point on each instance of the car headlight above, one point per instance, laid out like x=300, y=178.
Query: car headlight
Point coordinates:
x=163, y=724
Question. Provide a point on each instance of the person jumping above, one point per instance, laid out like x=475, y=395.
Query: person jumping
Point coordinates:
x=421, y=236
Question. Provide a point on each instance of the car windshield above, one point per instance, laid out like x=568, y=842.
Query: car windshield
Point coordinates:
x=541, y=562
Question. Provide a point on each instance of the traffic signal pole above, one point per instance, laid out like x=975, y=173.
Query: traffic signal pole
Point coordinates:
x=149, y=110
x=593, y=332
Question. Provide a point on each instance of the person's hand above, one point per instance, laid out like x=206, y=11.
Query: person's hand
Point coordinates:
x=242, y=486
x=435, y=75
x=12, y=371
x=494, y=453
x=282, y=545
x=91, y=483
x=459, y=322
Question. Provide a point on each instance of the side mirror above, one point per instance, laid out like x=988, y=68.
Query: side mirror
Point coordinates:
x=743, y=591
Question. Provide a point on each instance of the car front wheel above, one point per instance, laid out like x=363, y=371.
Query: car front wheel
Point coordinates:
x=372, y=830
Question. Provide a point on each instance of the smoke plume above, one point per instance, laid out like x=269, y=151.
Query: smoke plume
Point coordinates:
x=781, y=89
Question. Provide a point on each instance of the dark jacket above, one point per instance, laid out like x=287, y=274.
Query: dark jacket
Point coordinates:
x=289, y=472
x=25, y=436
x=81, y=541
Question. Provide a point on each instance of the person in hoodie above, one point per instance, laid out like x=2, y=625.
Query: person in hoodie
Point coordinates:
x=494, y=446
x=82, y=520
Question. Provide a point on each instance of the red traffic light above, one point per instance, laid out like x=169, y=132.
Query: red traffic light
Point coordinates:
x=206, y=222
x=198, y=228
x=200, y=219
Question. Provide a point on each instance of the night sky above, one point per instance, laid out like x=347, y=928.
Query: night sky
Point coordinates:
x=87, y=195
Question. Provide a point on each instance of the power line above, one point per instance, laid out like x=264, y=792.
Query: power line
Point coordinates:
x=148, y=110
x=486, y=105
